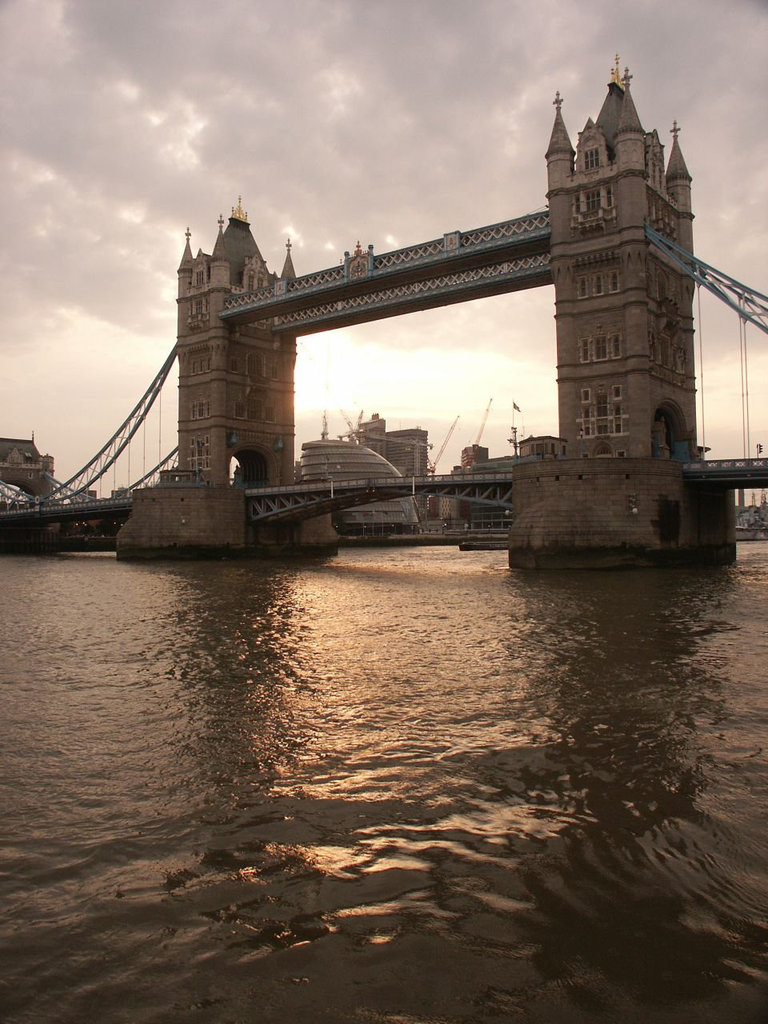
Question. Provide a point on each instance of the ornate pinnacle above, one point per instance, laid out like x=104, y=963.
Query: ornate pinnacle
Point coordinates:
x=239, y=213
x=557, y=101
x=674, y=130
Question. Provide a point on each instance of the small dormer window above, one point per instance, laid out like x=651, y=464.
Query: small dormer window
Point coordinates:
x=591, y=159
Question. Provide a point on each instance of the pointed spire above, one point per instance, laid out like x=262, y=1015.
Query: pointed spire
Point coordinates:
x=628, y=121
x=676, y=169
x=288, y=273
x=186, y=258
x=559, y=141
x=220, y=249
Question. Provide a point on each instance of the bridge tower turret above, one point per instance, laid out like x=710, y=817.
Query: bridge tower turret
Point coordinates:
x=624, y=314
x=236, y=413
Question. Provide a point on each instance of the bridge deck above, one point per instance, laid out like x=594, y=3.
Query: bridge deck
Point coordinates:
x=305, y=500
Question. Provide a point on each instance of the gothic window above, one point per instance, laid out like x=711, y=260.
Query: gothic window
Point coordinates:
x=601, y=347
x=197, y=309
x=593, y=200
x=582, y=287
x=269, y=413
x=585, y=394
x=255, y=408
x=615, y=346
x=601, y=412
x=617, y=392
x=597, y=284
x=613, y=281
x=609, y=196
x=239, y=409
x=199, y=456
x=584, y=350
x=199, y=278
x=591, y=159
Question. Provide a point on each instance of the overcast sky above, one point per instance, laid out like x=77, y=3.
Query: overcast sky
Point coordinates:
x=126, y=121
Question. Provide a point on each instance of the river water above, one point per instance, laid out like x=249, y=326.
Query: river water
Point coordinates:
x=401, y=786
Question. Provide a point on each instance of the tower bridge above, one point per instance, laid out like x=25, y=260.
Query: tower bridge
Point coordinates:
x=615, y=241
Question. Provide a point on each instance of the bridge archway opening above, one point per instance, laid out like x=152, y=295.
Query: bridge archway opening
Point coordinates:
x=668, y=434
x=249, y=468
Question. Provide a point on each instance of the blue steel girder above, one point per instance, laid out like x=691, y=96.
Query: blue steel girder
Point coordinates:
x=308, y=500
x=509, y=256
x=11, y=495
x=750, y=304
x=727, y=474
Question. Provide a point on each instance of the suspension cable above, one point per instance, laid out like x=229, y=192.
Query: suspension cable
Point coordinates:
x=701, y=369
x=111, y=451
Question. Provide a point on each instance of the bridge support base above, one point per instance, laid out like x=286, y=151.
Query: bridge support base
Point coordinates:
x=209, y=522
x=612, y=513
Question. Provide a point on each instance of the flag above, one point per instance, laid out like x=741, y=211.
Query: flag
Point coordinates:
x=516, y=407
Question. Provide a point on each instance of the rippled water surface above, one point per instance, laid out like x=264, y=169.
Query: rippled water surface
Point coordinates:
x=403, y=786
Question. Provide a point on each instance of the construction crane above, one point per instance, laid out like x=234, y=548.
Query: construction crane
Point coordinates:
x=432, y=464
x=482, y=425
x=355, y=430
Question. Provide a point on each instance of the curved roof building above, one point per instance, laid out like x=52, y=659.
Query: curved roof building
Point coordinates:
x=345, y=460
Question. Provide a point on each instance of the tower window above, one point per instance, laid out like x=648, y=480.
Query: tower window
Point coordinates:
x=582, y=287
x=593, y=200
x=613, y=281
x=597, y=284
x=591, y=159
x=585, y=394
x=601, y=347
x=584, y=350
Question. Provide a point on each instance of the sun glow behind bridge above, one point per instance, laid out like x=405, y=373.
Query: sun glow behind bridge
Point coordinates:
x=415, y=371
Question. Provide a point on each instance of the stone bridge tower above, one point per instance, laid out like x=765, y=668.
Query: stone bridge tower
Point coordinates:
x=236, y=415
x=624, y=316
x=625, y=360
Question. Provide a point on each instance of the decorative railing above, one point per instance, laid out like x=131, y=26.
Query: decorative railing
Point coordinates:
x=453, y=243
x=414, y=290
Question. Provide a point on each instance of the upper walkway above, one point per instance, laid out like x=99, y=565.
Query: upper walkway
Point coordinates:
x=510, y=256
